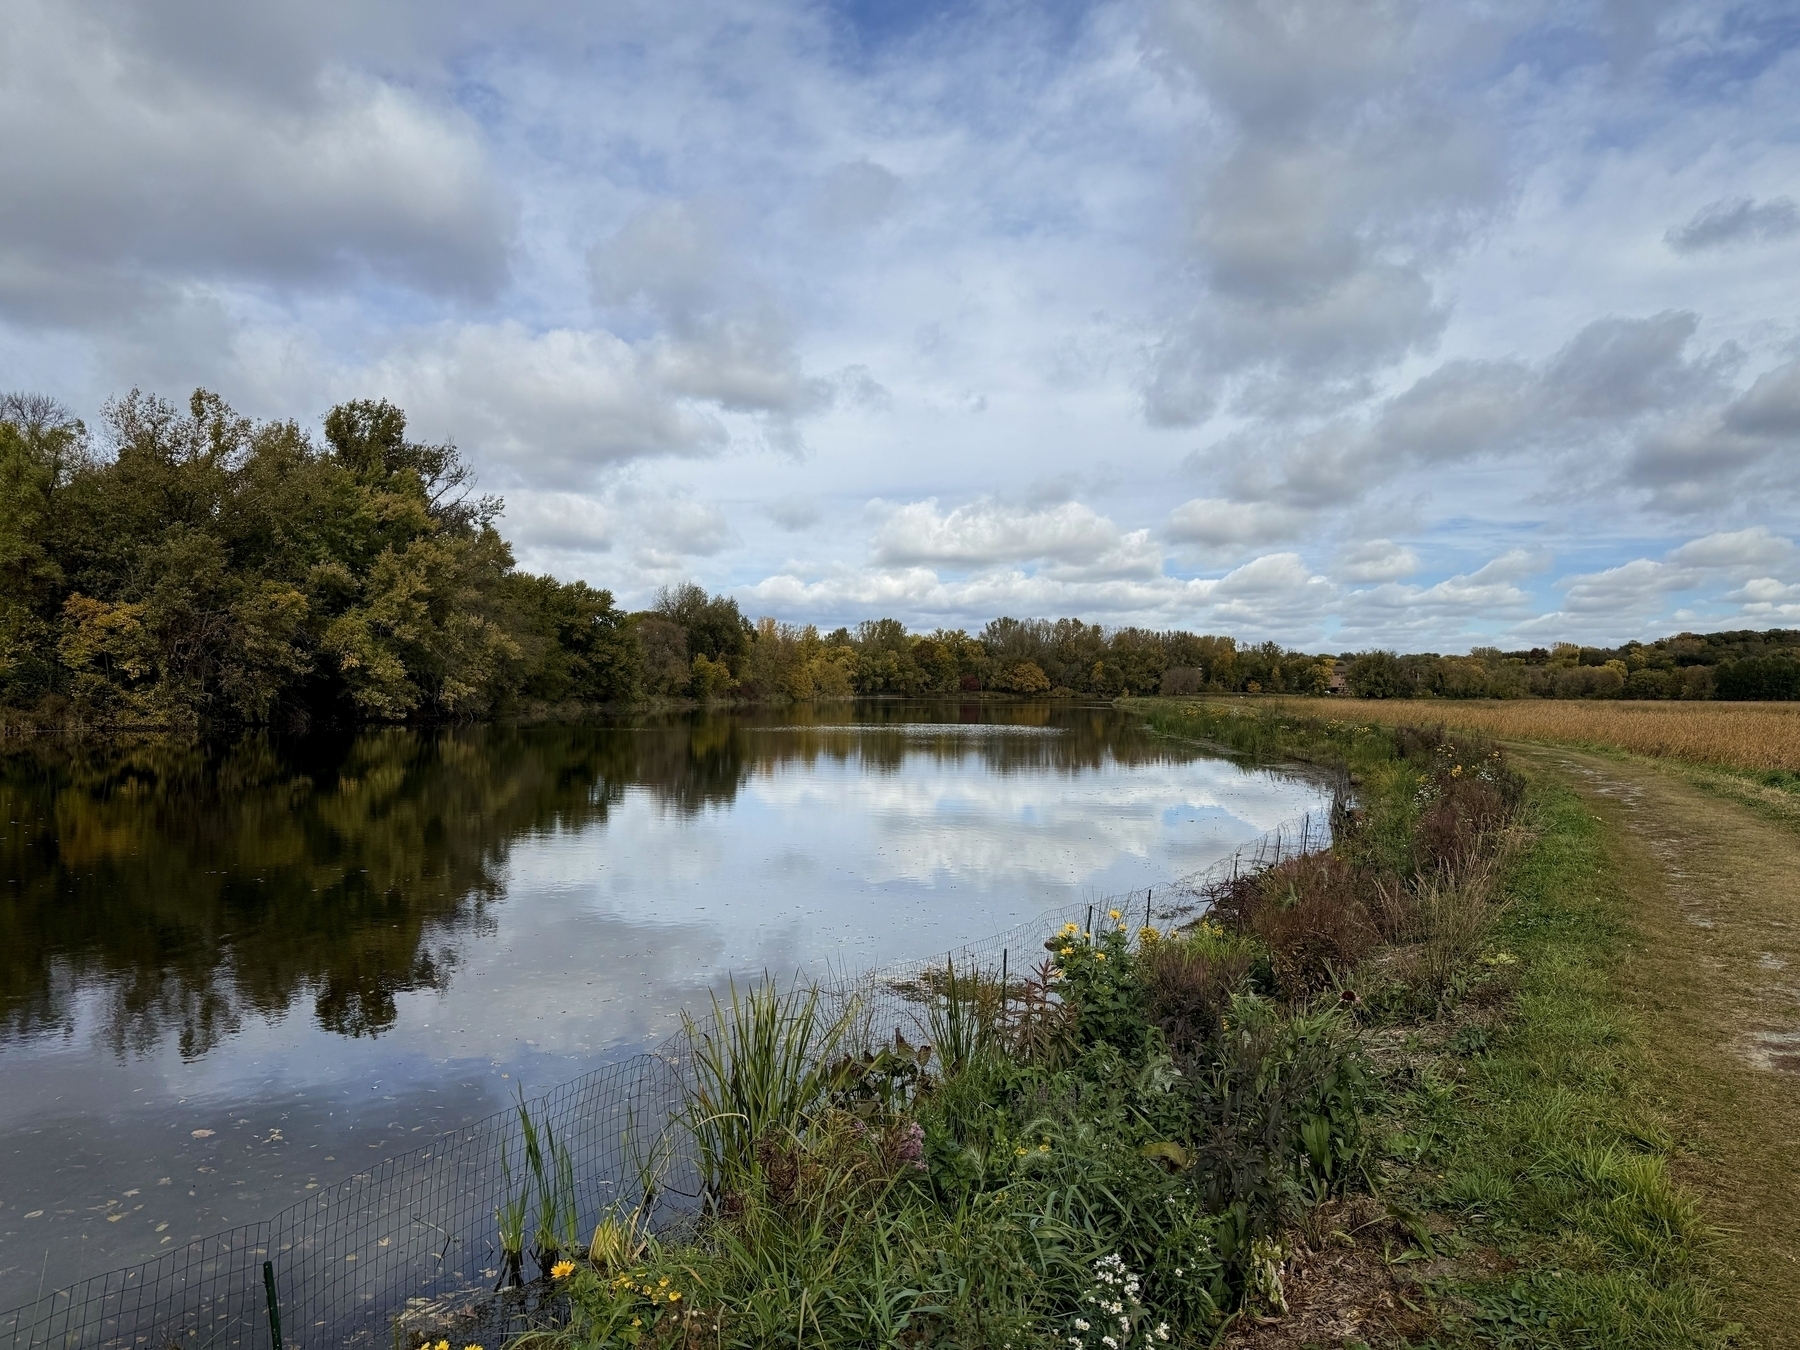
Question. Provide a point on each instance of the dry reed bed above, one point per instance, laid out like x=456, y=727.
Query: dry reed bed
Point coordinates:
x=1753, y=736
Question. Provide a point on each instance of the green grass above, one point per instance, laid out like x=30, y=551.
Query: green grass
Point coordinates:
x=1553, y=1166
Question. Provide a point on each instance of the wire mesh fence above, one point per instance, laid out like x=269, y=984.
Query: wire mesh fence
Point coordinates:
x=413, y=1241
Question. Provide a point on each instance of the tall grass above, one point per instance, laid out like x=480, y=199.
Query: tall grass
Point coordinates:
x=1754, y=737
x=761, y=1064
x=549, y=1175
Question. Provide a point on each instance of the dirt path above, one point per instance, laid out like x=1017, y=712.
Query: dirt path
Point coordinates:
x=1716, y=979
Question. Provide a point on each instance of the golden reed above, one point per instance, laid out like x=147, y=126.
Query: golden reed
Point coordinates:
x=1737, y=735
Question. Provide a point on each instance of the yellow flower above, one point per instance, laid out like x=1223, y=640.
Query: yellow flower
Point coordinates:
x=1019, y=1152
x=562, y=1268
x=1112, y=913
x=1043, y=1148
x=637, y=1321
x=1099, y=956
x=662, y=1283
x=674, y=1295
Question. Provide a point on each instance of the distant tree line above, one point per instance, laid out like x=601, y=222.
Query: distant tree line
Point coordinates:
x=1743, y=664
x=201, y=567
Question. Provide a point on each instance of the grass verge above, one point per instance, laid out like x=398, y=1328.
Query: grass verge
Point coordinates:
x=1527, y=1148
x=1536, y=1136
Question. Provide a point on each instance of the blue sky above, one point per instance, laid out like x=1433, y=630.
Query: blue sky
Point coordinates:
x=1400, y=324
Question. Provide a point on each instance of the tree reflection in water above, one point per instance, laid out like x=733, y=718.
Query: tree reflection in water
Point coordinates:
x=191, y=887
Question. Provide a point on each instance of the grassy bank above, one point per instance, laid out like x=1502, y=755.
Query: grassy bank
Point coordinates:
x=1380, y=1095
x=1525, y=1132
x=1747, y=753
x=1758, y=740
x=1530, y=1128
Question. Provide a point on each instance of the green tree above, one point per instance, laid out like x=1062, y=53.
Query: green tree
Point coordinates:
x=1375, y=674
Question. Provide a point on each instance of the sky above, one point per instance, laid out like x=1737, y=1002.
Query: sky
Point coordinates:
x=1389, y=324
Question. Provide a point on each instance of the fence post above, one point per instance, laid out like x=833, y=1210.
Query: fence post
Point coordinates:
x=274, y=1304
x=1090, y=922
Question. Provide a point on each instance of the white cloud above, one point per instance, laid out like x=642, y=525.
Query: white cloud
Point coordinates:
x=1376, y=560
x=714, y=273
x=1345, y=163
x=560, y=521
x=1214, y=522
x=673, y=530
x=983, y=533
x=1261, y=597
x=1639, y=589
x=125, y=164
x=1403, y=614
x=549, y=407
x=1618, y=383
x=1735, y=550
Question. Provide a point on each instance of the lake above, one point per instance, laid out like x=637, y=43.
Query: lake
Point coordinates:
x=230, y=975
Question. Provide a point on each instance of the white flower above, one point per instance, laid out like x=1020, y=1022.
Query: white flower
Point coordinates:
x=1109, y=1342
x=1081, y=1324
x=1162, y=1331
x=1179, y=1272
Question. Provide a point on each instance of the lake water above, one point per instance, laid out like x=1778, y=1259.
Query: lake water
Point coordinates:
x=229, y=976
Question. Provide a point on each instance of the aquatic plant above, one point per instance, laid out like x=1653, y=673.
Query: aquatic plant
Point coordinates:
x=761, y=1064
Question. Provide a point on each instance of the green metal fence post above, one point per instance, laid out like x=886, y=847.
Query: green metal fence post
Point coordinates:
x=274, y=1304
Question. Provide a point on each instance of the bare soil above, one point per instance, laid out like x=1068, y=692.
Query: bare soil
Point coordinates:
x=1714, y=975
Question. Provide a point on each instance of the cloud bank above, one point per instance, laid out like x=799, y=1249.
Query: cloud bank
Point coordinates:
x=1441, y=325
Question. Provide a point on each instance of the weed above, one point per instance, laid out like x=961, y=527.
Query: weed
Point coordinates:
x=761, y=1065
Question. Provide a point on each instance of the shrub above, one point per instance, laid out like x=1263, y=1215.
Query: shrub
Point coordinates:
x=1311, y=916
x=1278, y=1117
x=1188, y=986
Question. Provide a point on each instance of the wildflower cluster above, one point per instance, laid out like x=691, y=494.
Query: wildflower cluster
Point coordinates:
x=1449, y=767
x=1115, y=1317
x=641, y=1286
x=444, y=1345
x=630, y=1308
x=909, y=1146
x=1097, y=973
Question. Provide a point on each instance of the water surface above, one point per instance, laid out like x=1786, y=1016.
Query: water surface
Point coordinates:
x=229, y=975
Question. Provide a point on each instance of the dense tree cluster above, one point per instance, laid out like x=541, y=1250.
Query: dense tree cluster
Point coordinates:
x=198, y=566
x=206, y=567
x=1733, y=665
